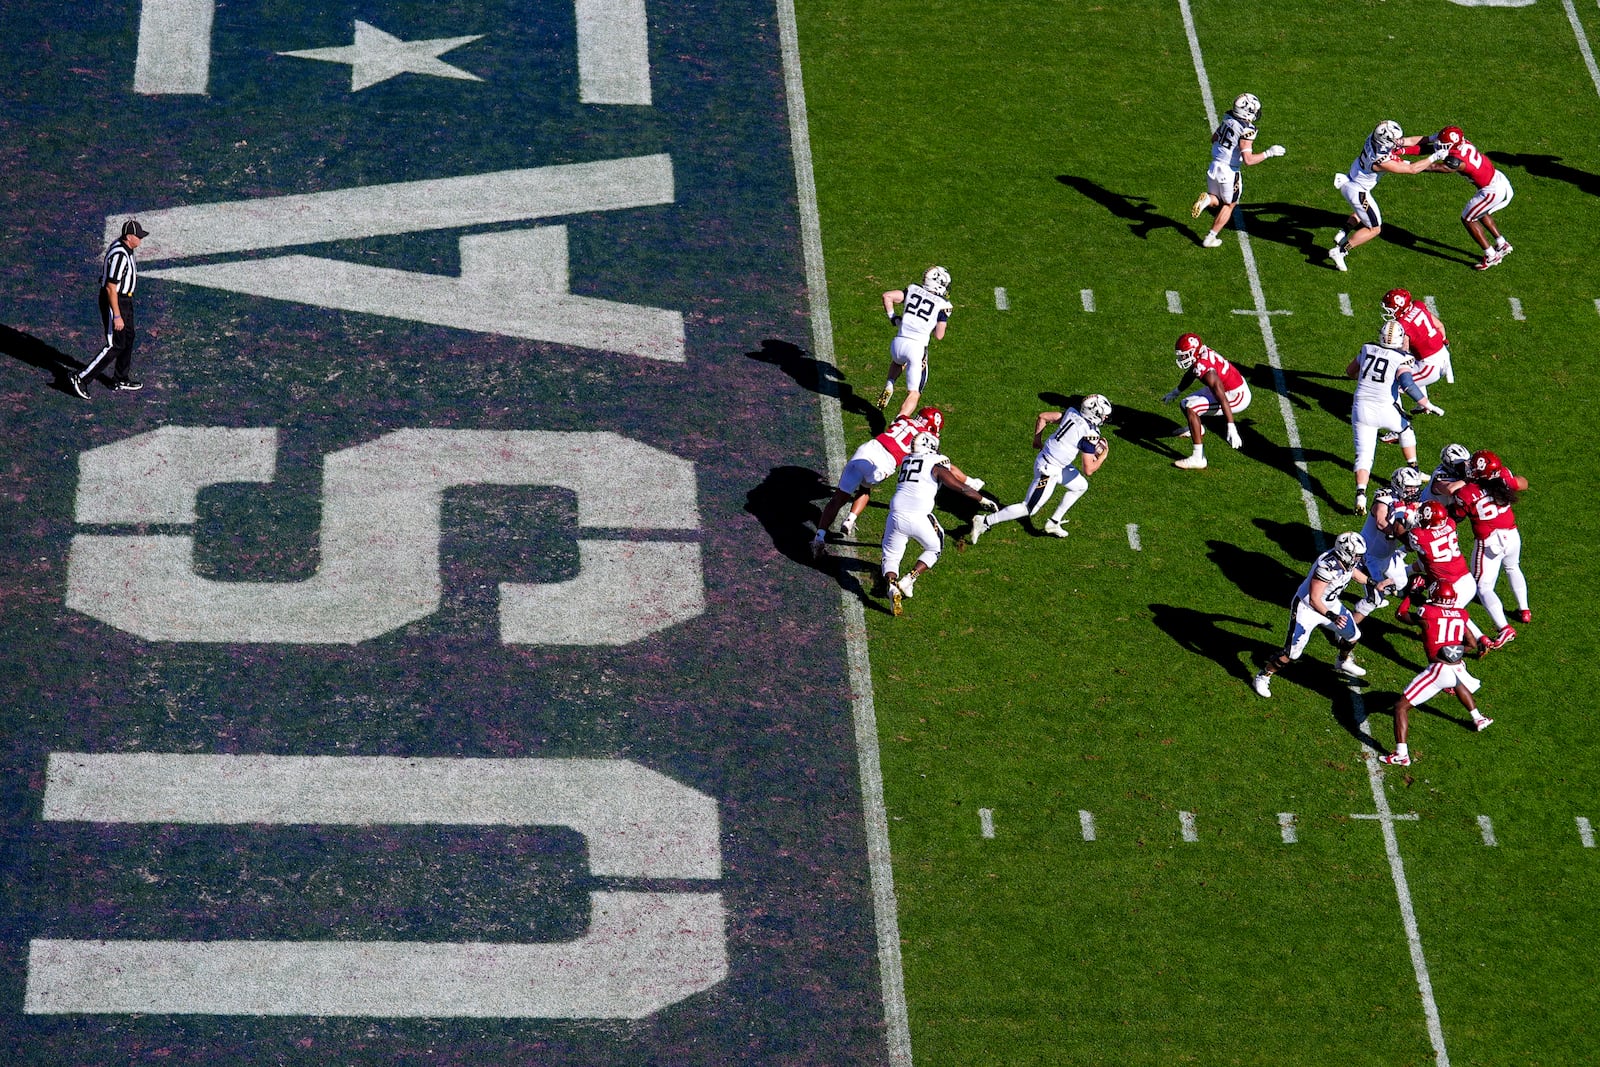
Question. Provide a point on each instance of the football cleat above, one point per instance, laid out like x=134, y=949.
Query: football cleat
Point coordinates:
x=895, y=605
x=1361, y=503
x=1211, y=240
x=847, y=528
x=906, y=583
x=1199, y=206
x=1182, y=433
x=1190, y=463
x=819, y=544
x=1348, y=665
x=75, y=383
x=1394, y=759
x=1262, y=684
x=980, y=523
x=1389, y=437
x=1054, y=529
x=1504, y=637
x=1481, y=723
x=1504, y=248
x=126, y=385
x=1524, y=615
x=1337, y=254
x=883, y=397
x=1490, y=259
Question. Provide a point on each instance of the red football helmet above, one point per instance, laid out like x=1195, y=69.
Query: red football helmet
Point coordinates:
x=1432, y=513
x=1395, y=301
x=1450, y=136
x=1187, y=350
x=1485, y=464
x=934, y=418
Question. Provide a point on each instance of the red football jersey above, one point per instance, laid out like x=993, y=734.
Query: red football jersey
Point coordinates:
x=1425, y=331
x=1227, y=373
x=1439, y=550
x=1442, y=626
x=896, y=440
x=1465, y=159
x=1486, y=513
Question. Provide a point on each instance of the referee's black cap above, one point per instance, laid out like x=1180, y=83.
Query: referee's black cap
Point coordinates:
x=131, y=228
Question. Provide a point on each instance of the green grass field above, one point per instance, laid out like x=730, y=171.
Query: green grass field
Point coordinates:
x=1048, y=149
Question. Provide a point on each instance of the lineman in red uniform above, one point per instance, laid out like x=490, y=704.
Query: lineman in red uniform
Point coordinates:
x=1223, y=392
x=1438, y=551
x=1486, y=498
x=1425, y=338
x=1491, y=192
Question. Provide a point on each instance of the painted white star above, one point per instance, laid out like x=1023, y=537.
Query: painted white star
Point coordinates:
x=377, y=56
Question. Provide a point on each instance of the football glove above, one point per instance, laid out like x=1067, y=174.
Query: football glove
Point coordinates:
x=1439, y=155
x=1233, y=436
x=991, y=505
x=974, y=483
x=1431, y=408
x=1170, y=397
x=1275, y=150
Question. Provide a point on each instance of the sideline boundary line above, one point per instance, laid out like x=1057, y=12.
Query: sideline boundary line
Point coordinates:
x=1583, y=43
x=1385, y=817
x=864, y=712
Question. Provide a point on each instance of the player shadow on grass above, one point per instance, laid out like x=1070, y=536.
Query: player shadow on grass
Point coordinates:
x=1311, y=230
x=26, y=348
x=786, y=505
x=1550, y=167
x=818, y=376
x=1255, y=574
x=1204, y=633
x=1142, y=214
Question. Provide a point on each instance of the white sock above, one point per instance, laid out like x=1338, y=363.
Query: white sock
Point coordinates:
x=1401, y=749
x=1199, y=451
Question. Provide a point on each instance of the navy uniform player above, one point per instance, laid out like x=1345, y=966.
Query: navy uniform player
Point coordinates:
x=1076, y=439
x=926, y=315
x=1381, y=370
x=1232, y=149
x=1394, y=512
x=922, y=474
x=1316, y=605
x=1380, y=154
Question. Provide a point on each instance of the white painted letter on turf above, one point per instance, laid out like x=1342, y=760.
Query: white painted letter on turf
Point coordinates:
x=642, y=951
x=379, y=543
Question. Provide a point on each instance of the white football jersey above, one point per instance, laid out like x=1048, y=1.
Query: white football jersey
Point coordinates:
x=916, y=488
x=1364, y=171
x=1226, y=140
x=1378, y=382
x=1065, y=444
x=1331, y=569
x=922, y=312
x=1380, y=546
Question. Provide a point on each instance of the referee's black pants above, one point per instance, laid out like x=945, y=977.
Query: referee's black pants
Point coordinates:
x=119, y=343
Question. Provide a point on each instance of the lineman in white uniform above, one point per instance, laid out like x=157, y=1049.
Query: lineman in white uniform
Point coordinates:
x=922, y=474
x=1381, y=371
x=1378, y=156
x=1394, y=512
x=1232, y=149
x=1076, y=439
x=1316, y=605
x=924, y=319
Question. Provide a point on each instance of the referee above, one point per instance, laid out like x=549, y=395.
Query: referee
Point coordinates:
x=117, y=282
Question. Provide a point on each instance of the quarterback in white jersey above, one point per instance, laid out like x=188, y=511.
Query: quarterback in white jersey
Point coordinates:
x=1232, y=149
x=926, y=315
x=922, y=474
x=1381, y=370
x=1378, y=156
x=1316, y=605
x=1394, y=512
x=1075, y=439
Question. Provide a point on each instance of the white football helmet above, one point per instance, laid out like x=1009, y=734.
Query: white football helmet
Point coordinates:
x=936, y=280
x=1095, y=408
x=1386, y=135
x=1187, y=350
x=1454, y=458
x=1247, y=107
x=1349, y=547
x=925, y=444
x=1407, y=482
x=1393, y=335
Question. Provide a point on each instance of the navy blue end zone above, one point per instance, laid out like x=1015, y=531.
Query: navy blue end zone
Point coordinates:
x=746, y=703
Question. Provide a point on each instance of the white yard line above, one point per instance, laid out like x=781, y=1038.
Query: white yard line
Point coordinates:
x=1087, y=296
x=1187, y=827
x=1486, y=827
x=1286, y=827
x=1086, y=824
x=1002, y=302
x=1174, y=302
x=885, y=913
x=1585, y=832
x=1374, y=774
x=986, y=822
x=1133, y=537
x=1583, y=44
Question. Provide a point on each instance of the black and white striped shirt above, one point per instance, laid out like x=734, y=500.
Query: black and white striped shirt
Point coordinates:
x=121, y=269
